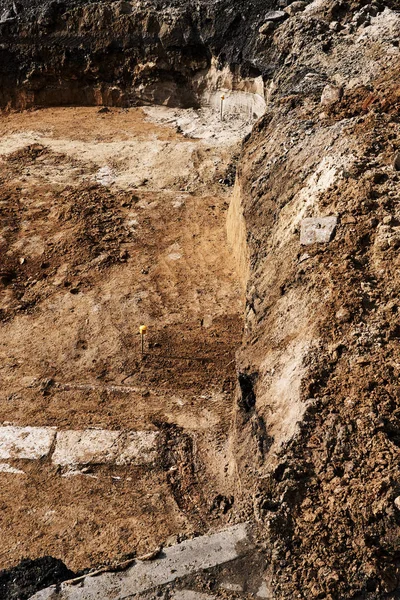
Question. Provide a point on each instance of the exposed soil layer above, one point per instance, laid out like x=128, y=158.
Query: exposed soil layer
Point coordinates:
x=321, y=351
x=110, y=221
x=118, y=53
x=105, y=230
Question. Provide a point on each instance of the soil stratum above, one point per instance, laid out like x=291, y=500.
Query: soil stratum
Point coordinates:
x=260, y=249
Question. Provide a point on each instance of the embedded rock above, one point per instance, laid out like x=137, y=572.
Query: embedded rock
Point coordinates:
x=317, y=231
x=331, y=95
x=276, y=15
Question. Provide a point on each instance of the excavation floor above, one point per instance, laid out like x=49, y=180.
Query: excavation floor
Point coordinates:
x=110, y=220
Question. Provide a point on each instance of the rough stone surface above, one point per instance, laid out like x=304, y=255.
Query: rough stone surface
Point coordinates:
x=331, y=94
x=76, y=447
x=275, y=15
x=102, y=446
x=85, y=447
x=317, y=231
x=137, y=448
x=176, y=562
x=25, y=442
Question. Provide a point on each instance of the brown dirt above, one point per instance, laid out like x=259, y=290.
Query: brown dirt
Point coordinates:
x=322, y=336
x=84, y=262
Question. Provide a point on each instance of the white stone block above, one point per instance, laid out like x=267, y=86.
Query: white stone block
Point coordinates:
x=101, y=446
x=84, y=447
x=31, y=443
x=137, y=448
x=317, y=231
x=175, y=562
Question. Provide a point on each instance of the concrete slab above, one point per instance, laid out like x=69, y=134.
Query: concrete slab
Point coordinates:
x=176, y=562
x=31, y=443
x=317, y=231
x=85, y=447
x=101, y=446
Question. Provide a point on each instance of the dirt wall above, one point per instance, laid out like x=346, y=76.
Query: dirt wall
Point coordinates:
x=317, y=415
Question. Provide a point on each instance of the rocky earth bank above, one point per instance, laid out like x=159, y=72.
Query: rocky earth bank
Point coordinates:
x=321, y=347
x=317, y=428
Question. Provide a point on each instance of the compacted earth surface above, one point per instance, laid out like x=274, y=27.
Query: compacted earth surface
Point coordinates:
x=110, y=220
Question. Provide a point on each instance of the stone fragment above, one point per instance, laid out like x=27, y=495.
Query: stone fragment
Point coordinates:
x=334, y=26
x=343, y=315
x=30, y=443
x=176, y=562
x=275, y=15
x=317, y=230
x=348, y=220
x=267, y=28
x=304, y=257
x=85, y=447
x=331, y=94
x=231, y=587
x=397, y=502
x=396, y=162
x=71, y=472
x=295, y=7
x=263, y=591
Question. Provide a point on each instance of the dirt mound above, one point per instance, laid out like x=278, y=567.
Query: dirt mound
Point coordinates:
x=322, y=325
x=92, y=223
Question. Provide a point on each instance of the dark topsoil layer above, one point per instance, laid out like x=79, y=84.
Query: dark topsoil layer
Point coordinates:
x=87, y=53
x=30, y=576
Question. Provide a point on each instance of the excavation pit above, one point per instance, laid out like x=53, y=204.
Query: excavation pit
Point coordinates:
x=111, y=220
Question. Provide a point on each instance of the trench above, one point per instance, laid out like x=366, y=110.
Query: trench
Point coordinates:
x=113, y=218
